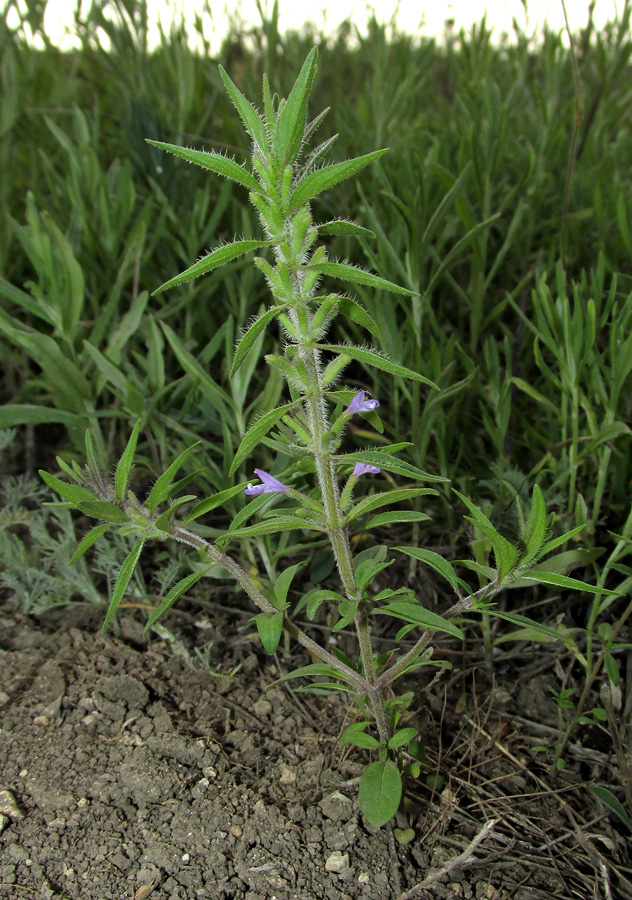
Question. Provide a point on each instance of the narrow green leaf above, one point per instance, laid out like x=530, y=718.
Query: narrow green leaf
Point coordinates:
x=610, y=801
x=160, y=490
x=12, y=414
x=345, y=272
x=566, y=582
x=282, y=585
x=364, y=741
x=219, y=398
x=525, y=622
x=249, y=115
x=88, y=541
x=535, y=528
x=272, y=526
x=436, y=562
x=389, y=463
x=101, y=509
x=290, y=125
x=325, y=178
x=322, y=669
x=315, y=598
x=562, y=539
x=342, y=226
x=417, y=615
x=74, y=493
x=125, y=464
x=251, y=335
x=216, y=500
x=402, y=737
x=504, y=552
x=357, y=313
x=372, y=358
x=211, y=261
x=380, y=792
x=256, y=432
x=174, y=594
x=355, y=731
x=124, y=576
x=221, y=165
x=270, y=628
x=375, y=501
x=402, y=515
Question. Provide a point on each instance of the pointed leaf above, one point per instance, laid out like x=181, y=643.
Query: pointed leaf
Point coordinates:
x=250, y=336
x=367, y=504
x=325, y=178
x=174, y=594
x=357, y=313
x=389, y=463
x=290, y=125
x=402, y=737
x=216, y=500
x=535, y=528
x=610, y=801
x=270, y=628
x=401, y=515
x=272, y=526
x=345, y=272
x=88, y=541
x=282, y=585
x=211, y=261
x=504, y=552
x=372, y=358
x=125, y=464
x=191, y=366
x=525, y=622
x=562, y=539
x=436, y=562
x=566, y=582
x=71, y=492
x=221, y=165
x=249, y=116
x=101, y=509
x=417, y=615
x=342, y=226
x=349, y=735
x=124, y=576
x=380, y=792
x=256, y=432
x=160, y=490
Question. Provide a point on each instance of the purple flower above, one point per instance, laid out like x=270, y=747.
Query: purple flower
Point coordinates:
x=359, y=404
x=270, y=485
x=365, y=469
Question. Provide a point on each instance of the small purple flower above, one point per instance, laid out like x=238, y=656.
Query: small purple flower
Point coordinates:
x=365, y=469
x=359, y=404
x=270, y=485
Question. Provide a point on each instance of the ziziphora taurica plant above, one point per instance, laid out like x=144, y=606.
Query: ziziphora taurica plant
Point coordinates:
x=319, y=479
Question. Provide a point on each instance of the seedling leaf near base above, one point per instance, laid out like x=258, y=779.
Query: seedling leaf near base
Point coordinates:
x=380, y=792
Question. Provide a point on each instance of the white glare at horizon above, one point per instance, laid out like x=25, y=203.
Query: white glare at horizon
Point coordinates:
x=426, y=18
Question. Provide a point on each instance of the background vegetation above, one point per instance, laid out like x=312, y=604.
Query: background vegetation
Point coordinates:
x=505, y=204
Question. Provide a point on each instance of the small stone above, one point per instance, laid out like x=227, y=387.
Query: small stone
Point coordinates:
x=236, y=830
x=288, y=774
x=4, y=698
x=262, y=708
x=363, y=878
x=9, y=806
x=337, y=862
x=209, y=772
x=40, y=720
x=81, y=804
x=4, y=821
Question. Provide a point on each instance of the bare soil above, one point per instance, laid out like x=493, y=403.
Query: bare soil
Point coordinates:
x=138, y=773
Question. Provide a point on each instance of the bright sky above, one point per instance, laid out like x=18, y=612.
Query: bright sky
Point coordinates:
x=416, y=16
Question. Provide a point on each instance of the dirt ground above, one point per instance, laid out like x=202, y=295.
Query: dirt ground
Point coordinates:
x=137, y=772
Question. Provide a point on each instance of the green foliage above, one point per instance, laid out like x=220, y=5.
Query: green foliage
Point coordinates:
x=498, y=287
